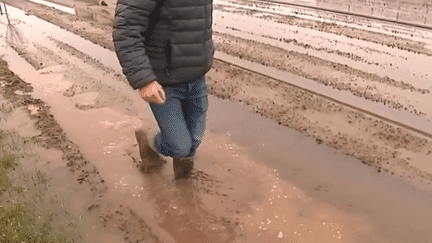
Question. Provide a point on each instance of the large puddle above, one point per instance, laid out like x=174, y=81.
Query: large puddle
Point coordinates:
x=284, y=186
x=395, y=209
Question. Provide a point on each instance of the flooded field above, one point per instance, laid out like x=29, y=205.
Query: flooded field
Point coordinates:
x=257, y=178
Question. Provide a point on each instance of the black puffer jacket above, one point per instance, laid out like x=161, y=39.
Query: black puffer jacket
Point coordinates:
x=167, y=40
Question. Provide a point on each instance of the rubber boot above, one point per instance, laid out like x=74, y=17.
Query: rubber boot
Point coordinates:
x=150, y=158
x=183, y=167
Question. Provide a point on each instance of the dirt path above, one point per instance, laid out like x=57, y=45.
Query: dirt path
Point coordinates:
x=220, y=212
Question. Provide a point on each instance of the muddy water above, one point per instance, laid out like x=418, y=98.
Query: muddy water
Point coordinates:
x=278, y=185
x=23, y=127
x=311, y=196
x=400, y=65
x=66, y=197
x=396, y=64
x=56, y=6
x=420, y=123
x=329, y=17
x=73, y=197
x=396, y=210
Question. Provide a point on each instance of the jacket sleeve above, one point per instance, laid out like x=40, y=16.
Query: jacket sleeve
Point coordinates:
x=130, y=23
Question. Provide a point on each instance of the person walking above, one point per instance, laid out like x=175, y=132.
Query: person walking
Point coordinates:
x=165, y=49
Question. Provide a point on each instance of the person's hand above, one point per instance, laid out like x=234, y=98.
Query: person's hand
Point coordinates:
x=152, y=93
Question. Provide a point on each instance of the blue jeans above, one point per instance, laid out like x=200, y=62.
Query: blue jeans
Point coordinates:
x=181, y=118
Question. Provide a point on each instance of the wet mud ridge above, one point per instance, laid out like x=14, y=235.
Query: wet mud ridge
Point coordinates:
x=85, y=108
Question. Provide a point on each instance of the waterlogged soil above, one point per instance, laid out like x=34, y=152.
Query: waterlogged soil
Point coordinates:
x=54, y=153
x=232, y=197
x=383, y=146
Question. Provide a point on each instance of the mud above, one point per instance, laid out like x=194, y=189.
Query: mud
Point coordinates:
x=328, y=22
x=307, y=67
x=230, y=198
x=51, y=133
x=327, y=58
x=53, y=138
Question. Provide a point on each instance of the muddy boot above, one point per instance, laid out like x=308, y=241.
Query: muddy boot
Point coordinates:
x=183, y=167
x=150, y=158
